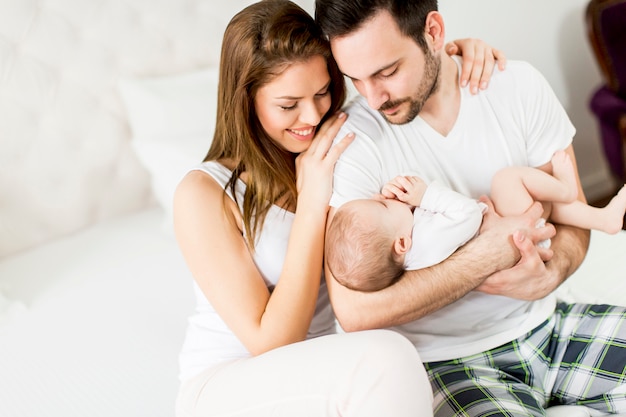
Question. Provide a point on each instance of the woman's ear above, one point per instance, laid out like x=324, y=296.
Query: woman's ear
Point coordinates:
x=435, y=30
x=402, y=245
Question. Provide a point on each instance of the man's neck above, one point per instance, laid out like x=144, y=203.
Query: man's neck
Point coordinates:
x=442, y=109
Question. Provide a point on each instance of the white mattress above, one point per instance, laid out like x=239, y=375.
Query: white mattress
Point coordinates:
x=602, y=276
x=91, y=325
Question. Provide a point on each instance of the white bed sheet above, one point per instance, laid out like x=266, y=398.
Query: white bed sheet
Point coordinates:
x=91, y=325
x=601, y=278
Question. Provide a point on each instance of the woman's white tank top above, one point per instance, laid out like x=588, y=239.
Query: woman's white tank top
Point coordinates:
x=208, y=340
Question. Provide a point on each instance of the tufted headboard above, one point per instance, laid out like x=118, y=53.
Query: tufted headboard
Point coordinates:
x=65, y=155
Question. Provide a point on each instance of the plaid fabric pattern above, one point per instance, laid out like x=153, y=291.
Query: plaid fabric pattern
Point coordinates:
x=577, y=357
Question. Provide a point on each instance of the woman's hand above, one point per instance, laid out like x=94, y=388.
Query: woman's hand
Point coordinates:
x=479, y=60
x=315, y=166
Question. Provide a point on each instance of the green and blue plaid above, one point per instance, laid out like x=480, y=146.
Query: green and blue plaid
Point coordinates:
x=577, y=357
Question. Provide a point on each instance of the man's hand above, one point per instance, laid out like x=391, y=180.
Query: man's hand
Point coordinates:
x=529, y=279
x=539, y=271
x=524, y=237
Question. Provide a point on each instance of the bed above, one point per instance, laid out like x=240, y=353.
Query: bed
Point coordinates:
x=99, y=336
x=104, y=106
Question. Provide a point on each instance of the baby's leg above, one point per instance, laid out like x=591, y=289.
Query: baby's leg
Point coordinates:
x=609, y=219
x=508, y=193
x=563, y=170
x=514, y=189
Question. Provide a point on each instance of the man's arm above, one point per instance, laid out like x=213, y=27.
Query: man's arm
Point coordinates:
x=569, y=248
x=423, y=291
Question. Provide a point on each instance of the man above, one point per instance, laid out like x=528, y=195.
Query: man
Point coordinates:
x=485, y=320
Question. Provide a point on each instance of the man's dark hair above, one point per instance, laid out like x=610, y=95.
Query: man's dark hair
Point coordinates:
x=341, y=17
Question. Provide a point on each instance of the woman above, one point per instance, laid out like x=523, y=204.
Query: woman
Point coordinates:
x=250, y=223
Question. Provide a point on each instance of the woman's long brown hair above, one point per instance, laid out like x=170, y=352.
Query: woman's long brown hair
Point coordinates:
x=259, y=43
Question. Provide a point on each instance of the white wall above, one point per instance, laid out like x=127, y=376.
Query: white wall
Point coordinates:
x=552, y=36
x=308, y=5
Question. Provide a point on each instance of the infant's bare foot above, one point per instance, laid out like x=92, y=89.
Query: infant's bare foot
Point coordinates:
x=563, y=170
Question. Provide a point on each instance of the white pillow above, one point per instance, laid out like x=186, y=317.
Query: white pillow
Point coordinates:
x=172, y=119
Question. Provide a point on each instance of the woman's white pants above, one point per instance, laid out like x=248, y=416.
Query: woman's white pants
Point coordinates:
x=375, y=373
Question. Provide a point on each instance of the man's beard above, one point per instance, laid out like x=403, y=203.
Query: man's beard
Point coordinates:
x=427, y=87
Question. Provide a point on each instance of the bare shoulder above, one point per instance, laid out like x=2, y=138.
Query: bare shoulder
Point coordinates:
x=196, y=187
x=200, y=200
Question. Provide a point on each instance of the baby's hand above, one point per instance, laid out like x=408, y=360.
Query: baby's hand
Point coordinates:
x=408, y=189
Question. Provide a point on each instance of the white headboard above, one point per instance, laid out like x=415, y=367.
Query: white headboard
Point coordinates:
x=65, y=155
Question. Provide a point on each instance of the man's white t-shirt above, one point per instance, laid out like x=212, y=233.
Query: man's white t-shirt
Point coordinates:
x=518, y=121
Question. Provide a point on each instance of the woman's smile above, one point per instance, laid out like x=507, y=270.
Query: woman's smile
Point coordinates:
x=303, y=134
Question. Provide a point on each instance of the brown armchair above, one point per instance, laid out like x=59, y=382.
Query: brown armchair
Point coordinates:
x=606, y=26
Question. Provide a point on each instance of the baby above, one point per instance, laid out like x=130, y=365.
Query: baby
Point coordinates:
x=412, y=225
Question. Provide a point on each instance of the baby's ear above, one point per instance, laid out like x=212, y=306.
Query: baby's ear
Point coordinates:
x=402, y=245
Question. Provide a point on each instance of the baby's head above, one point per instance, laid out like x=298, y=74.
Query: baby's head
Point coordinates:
x=366, y=243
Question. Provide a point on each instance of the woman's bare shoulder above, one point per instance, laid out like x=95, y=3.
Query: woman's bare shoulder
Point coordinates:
x=200, y=198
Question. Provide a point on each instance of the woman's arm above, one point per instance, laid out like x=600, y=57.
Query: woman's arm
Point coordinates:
x=209, y=232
